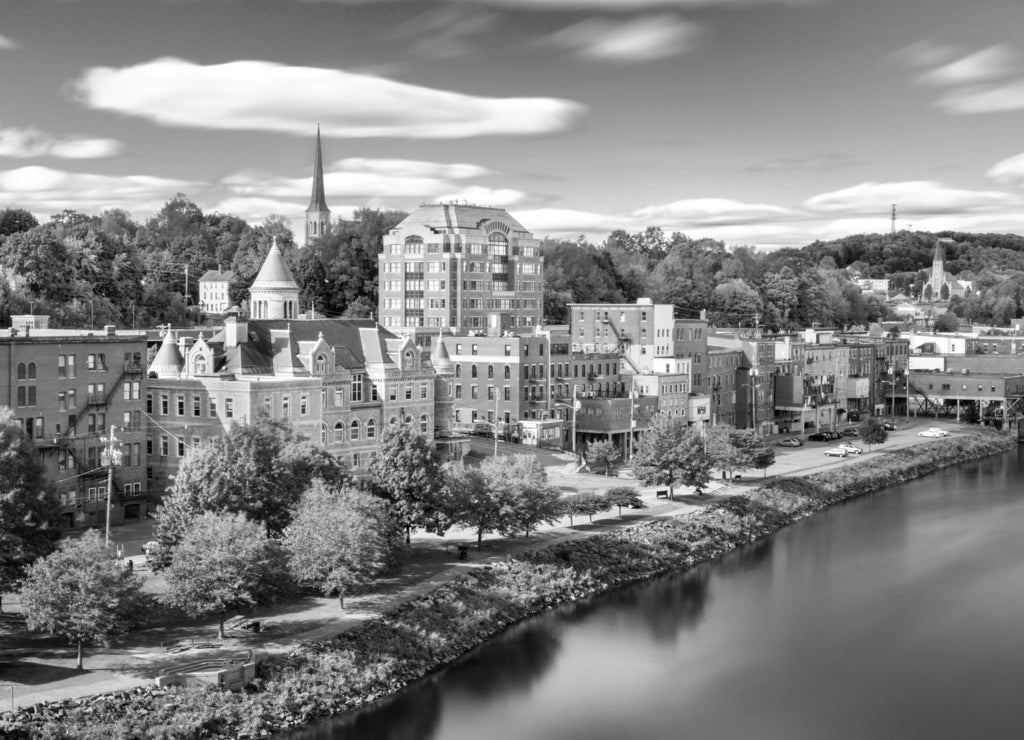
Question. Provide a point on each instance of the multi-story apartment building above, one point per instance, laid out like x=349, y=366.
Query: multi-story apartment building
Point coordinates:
x=213, y=291
x=68, y=388
x=639, y=332
x=461, y=268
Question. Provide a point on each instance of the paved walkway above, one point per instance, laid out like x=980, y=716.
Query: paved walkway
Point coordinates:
x=42, y=669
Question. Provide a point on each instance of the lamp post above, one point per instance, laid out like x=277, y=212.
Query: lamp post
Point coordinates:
x=110, y=457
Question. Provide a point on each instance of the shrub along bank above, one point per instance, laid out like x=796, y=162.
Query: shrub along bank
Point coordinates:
x=420, y=636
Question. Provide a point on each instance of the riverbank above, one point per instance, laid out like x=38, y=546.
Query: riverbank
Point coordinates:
x=421, y=636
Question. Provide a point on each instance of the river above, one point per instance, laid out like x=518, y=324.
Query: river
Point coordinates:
x=896, y=615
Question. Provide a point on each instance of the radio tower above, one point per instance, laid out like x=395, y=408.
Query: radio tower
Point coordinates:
x=894, y=219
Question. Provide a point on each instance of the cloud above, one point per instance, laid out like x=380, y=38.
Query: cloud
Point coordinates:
x=927, y=53
x=410, y=168
x=617, y=6
x=6, y=43
x=921, y=197
x=818, y=163
x=1008, y=171
x=447, y=31
x=48, y=190
x=640, y=39
x=266, y=96
x=498, y=198
x=710, y=211
x=23, y=143
x=994, y=62
x=985, y=99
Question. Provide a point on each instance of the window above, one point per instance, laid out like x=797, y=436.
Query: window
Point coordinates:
x=357, y=388
x=424, y=422
x=197, y=406
x=458, y=371
x=321, y=364
x=303, y=405
x=408, y=391
x=323, y=434
x=229, y=408
x=149, y=403
x=423, y=390
x=474, y=392
x=90, y=362
x=180, y=403
x=286, y=406
x=149, y=445
x=507, y=393
x=354, y=430
x=165, y=446
x=165, y=404
x=355, y=459
x=339, y=432
x=474, y=348
x=490, y=372
x=22, y=371
x=508, y=372
x=213, y=407
x=458, y=391
x=473, y=371
x=181, y=448
x=62, y=402
x=371, y=429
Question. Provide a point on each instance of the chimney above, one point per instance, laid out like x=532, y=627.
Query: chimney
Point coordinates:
x=235, y=331
x=110, y=329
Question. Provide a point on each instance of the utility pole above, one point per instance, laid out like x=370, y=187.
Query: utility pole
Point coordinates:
x=111, y=456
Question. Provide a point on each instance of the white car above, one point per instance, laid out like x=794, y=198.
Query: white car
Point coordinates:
x=837, y=452
x=933, y=432
x=851, y=448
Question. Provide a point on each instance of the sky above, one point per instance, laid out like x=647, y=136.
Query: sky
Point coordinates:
x=756, y=122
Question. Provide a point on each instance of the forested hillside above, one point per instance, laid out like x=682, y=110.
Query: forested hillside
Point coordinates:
x=93, y=270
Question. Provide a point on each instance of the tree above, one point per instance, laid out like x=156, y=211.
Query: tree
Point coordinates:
x=601, y=453
x=472, y=502
x=947, y=322
x=970, y=414
x=28, y=508
x=13, y=220
x=585, y=503
x=260, y=469
x=225, y=562
x=762, y=456
x=724, y=449
x=623, y=496
x=406, y=471
x=339, y=540
x=671, y=453
x=81, y=592
x=521, y=485
x=873, y=432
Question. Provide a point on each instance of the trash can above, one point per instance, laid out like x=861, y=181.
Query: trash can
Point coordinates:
x=463, y=552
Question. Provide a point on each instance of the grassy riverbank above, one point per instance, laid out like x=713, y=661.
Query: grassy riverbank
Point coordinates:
x=339, y=675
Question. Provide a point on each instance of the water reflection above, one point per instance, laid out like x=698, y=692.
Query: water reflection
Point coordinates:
x=512, y=663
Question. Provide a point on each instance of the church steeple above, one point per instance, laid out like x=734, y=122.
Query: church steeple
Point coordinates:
x=318, y=215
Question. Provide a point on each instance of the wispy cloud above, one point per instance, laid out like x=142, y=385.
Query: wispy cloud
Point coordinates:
x=410, y=168
x=49, y=190
x=985, y=99
x=1008, y=171
x=24, y=143
x=927, y=53
x=987, y=64
x=446, y=31
x=815, y=163
x=640, y=39
x=623, y=6
x=6, y=43
x=919, y=197
x=266, y=96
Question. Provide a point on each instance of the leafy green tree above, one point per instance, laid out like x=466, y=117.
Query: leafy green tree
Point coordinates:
x=13, y=220
x=602, y=453
x=28, y=508
x=40, y=259
x=223, y=562
x=970, y=414
x=80, y=592
x=585, y=503
x=339, y=540
x=620, y=496
x=406, y=471
x=724, y=450
x=947, y=322
x=873, y=431
x=670, y=453
x=472, y=502
x=761, y=455
x=259, y=469
x=521, y=485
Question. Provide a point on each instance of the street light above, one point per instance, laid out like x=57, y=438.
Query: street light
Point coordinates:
x=110, y=457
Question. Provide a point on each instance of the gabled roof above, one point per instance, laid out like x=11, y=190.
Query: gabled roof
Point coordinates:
x=212, y=276
x=274, y=273
x=355, y=341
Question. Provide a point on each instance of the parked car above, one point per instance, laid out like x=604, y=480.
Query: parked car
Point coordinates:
x=933, y=432
x=819, y=437
x=837, y=452
x=849, y=432
x=850, y=447
x=853, y=416
x=889, y=426
x=790, y=442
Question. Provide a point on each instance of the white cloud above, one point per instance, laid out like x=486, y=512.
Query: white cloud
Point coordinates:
x=814, y=163
x=994, y=62
x=640, y=39
x=6, y=43
x=24, y=143
x=265, y=96
x=927, y=53
x=1008, y=171
x=710, y=211
x=48, y=190
x=446, y=31
x=410, y=168
x=623, y=6
x=985, y=99
x=498, y=198
x=921, y=197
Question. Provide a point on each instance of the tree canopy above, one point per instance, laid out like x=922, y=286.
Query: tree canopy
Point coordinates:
x=670, y=453
x=406, y=471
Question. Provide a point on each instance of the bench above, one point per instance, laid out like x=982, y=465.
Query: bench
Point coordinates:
x=661, y=493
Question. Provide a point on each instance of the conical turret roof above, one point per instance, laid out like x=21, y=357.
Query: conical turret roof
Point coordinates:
x=168, y=362
x=440, y=358
x=274, y=273
x=317, y=200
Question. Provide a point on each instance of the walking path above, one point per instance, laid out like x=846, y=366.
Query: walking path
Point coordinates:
x=36, y=669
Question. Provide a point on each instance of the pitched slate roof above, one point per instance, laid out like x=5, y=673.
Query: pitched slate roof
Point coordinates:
x=274, y=273
x=211, y=276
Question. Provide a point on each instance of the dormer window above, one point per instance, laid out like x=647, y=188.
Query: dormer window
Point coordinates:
x=321, y=364
x=200, y=366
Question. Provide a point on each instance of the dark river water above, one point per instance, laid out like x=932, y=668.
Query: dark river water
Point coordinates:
x=898, y=615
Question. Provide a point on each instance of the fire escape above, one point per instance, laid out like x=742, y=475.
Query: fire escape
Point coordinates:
x=624, y=342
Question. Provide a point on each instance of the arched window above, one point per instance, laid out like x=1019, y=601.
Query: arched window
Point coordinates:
x=472, y=371
x=490, y=372
x=458, y=369
x=199, y=366
x=321, y=364
x=354, y=430
x=508, y=373
x=424, y=421
x=497, y=244
x=21, y=371
x=371, y=429
x=31, y=371
x=323, y=434
x=414, y=239
x=339, y=432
